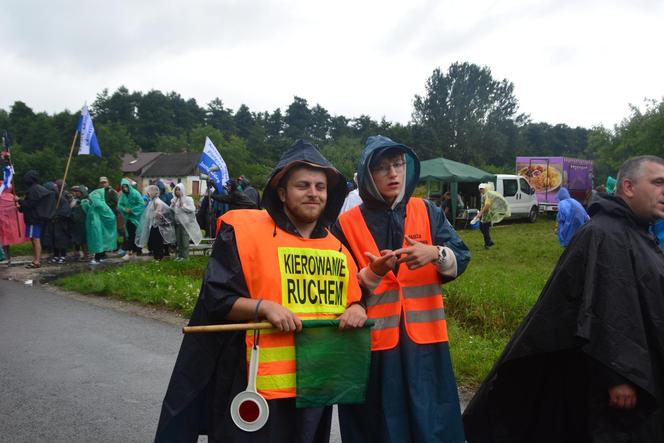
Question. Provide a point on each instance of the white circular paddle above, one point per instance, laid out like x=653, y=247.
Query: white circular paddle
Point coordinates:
x=249, y=410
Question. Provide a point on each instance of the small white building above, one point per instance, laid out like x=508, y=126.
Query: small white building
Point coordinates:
x=176, y=168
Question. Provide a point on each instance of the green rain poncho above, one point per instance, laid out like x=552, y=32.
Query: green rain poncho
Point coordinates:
x=131, y=205
x=499, y=207
x=100, y=227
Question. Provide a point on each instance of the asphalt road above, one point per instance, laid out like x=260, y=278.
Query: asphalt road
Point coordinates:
x=71, y=371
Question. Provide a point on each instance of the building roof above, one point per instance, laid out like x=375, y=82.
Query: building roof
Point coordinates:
x=174, y=165
x=134, y=163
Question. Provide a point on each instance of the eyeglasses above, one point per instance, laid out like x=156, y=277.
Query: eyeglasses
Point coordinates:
x=384, y=168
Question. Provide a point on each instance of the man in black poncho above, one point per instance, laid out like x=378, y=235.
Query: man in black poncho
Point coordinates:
x=302, y=197
x=587, y=363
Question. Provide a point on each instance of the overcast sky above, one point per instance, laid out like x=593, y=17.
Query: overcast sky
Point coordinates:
x=579, y=62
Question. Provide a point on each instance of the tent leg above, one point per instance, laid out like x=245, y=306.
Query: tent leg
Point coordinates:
x=454, y=191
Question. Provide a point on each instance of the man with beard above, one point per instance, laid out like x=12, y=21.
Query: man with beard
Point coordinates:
x=243, y=282
x=587, y=363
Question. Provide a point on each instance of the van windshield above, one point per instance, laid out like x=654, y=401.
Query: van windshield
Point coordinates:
x=525, y=187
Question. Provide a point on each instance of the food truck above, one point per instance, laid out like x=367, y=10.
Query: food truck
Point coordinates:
x=547, y=174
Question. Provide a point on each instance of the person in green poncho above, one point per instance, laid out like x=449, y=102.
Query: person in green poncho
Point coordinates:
x=494, y=208
x=100, y=227
x=131, y=206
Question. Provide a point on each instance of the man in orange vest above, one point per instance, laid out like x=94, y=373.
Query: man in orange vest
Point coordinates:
x=263, y=266
x=405, y=249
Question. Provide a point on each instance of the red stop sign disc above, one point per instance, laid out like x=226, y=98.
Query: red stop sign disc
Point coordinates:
x=249, y=411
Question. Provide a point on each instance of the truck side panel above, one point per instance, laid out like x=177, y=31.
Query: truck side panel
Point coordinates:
x=548, y=174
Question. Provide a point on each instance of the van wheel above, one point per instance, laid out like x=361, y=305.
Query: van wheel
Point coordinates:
x=532, y=216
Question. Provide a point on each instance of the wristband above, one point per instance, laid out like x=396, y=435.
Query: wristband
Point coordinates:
x=258, y=305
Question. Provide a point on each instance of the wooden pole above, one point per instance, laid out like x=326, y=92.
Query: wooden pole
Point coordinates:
x=64, y=179
x=227, y=328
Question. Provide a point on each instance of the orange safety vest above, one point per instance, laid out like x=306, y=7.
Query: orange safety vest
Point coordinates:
x=415, y=292
x=314, y=278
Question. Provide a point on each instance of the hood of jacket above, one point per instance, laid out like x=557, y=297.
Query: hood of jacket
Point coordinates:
x=183, y=193
x=123, y=182
x=84, y=191
x=374, y=146
x=162, y=187
x=133, y=195
x=563, y=194
x=31, y=177
x=304, y=153
x=51, y=187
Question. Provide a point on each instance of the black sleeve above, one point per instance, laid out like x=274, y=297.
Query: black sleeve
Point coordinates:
x=222, y=198
x=605, y=377
x=224, y=281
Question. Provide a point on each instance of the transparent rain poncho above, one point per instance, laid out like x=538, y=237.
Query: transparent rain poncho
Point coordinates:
x=499, y=208
x=185, y=214
x=156, y=214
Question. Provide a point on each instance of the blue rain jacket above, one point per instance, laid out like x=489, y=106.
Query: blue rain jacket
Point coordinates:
x=412, y=393
x=571, y=216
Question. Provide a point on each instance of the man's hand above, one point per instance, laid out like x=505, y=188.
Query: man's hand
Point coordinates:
x=622, y=397
x=281, y=317
x=383, y=264
x=353, y=317
x=417, y=254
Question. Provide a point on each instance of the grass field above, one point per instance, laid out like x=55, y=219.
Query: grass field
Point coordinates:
x=490, y=299
x=483, y=306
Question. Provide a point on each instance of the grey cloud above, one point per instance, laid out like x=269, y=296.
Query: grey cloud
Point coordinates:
x=98, y=34
x=420, y=33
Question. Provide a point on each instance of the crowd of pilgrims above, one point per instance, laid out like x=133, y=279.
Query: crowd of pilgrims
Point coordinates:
x=80, y=224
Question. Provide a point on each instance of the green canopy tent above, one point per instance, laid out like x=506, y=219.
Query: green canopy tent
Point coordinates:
x=448, y=171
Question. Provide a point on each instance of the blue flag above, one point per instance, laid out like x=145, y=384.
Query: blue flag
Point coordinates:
x=212, y=164
x=89, y=144
x=7, y=175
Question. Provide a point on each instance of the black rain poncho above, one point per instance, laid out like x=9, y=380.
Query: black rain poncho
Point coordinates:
x=598, y=323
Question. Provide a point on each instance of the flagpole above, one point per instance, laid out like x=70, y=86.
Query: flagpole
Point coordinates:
x=228, y=327
x=71, y=152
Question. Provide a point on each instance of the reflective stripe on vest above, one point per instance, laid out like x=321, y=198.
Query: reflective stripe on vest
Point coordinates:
x=416, y=293
x=315, y=278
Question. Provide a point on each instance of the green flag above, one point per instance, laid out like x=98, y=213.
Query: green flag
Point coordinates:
x=332, y=364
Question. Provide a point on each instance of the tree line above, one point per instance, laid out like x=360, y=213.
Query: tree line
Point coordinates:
x=464, y=115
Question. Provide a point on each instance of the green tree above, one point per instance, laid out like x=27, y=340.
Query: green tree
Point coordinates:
x=639, y=134
x=298, y=119
x=319, y=128
x=121, y=107
x=466, y=114
x=244, y=121
x=344, y=154
x=220, y=117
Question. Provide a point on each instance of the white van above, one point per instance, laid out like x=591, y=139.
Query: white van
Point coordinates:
x=520, y=196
